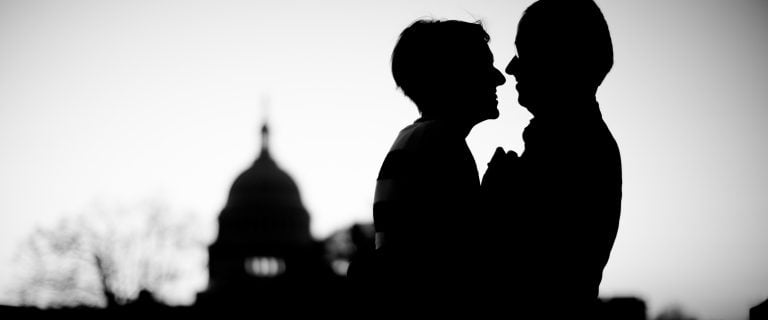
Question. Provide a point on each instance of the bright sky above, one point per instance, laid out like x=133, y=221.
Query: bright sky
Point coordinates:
x=120, y=101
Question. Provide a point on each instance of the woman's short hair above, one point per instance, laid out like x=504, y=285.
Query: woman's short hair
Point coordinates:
x=426, y=52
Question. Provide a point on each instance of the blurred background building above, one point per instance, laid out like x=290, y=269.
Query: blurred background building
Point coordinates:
x=264, y=247
x=264, y=252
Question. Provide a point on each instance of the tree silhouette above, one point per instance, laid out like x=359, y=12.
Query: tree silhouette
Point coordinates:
x=674, y=312
x=107, y=255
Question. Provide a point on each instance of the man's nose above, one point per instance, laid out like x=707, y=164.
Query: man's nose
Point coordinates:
x=512, y=66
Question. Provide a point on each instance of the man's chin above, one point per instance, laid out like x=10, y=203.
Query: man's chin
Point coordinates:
x=525, y=103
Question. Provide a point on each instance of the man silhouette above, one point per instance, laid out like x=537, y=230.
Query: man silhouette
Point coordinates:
x=561, y=199
x=428, y=188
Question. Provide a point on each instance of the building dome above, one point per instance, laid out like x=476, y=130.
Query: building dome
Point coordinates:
x=264, y=181
x=264, y=213
x=264, y=250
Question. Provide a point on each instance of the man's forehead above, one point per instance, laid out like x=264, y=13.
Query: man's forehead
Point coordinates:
x=536, y=43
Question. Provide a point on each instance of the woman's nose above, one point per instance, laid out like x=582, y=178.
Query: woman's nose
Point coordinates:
x=500, y=79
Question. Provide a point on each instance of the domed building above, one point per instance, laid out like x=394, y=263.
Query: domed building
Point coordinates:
x=264, y=251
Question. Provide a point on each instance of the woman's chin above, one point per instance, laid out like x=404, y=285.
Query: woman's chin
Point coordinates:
x=494, y=114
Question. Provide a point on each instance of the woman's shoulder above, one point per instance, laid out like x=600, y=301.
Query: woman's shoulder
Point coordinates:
x=428, y=135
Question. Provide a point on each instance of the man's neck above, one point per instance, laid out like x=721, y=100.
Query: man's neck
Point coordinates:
x=569, y=109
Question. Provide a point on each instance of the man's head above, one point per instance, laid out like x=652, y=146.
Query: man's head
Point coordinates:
x=446, y=68
x=564, y=51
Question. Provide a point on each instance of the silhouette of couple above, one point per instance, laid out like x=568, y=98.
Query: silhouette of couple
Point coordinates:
x=533, y=238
